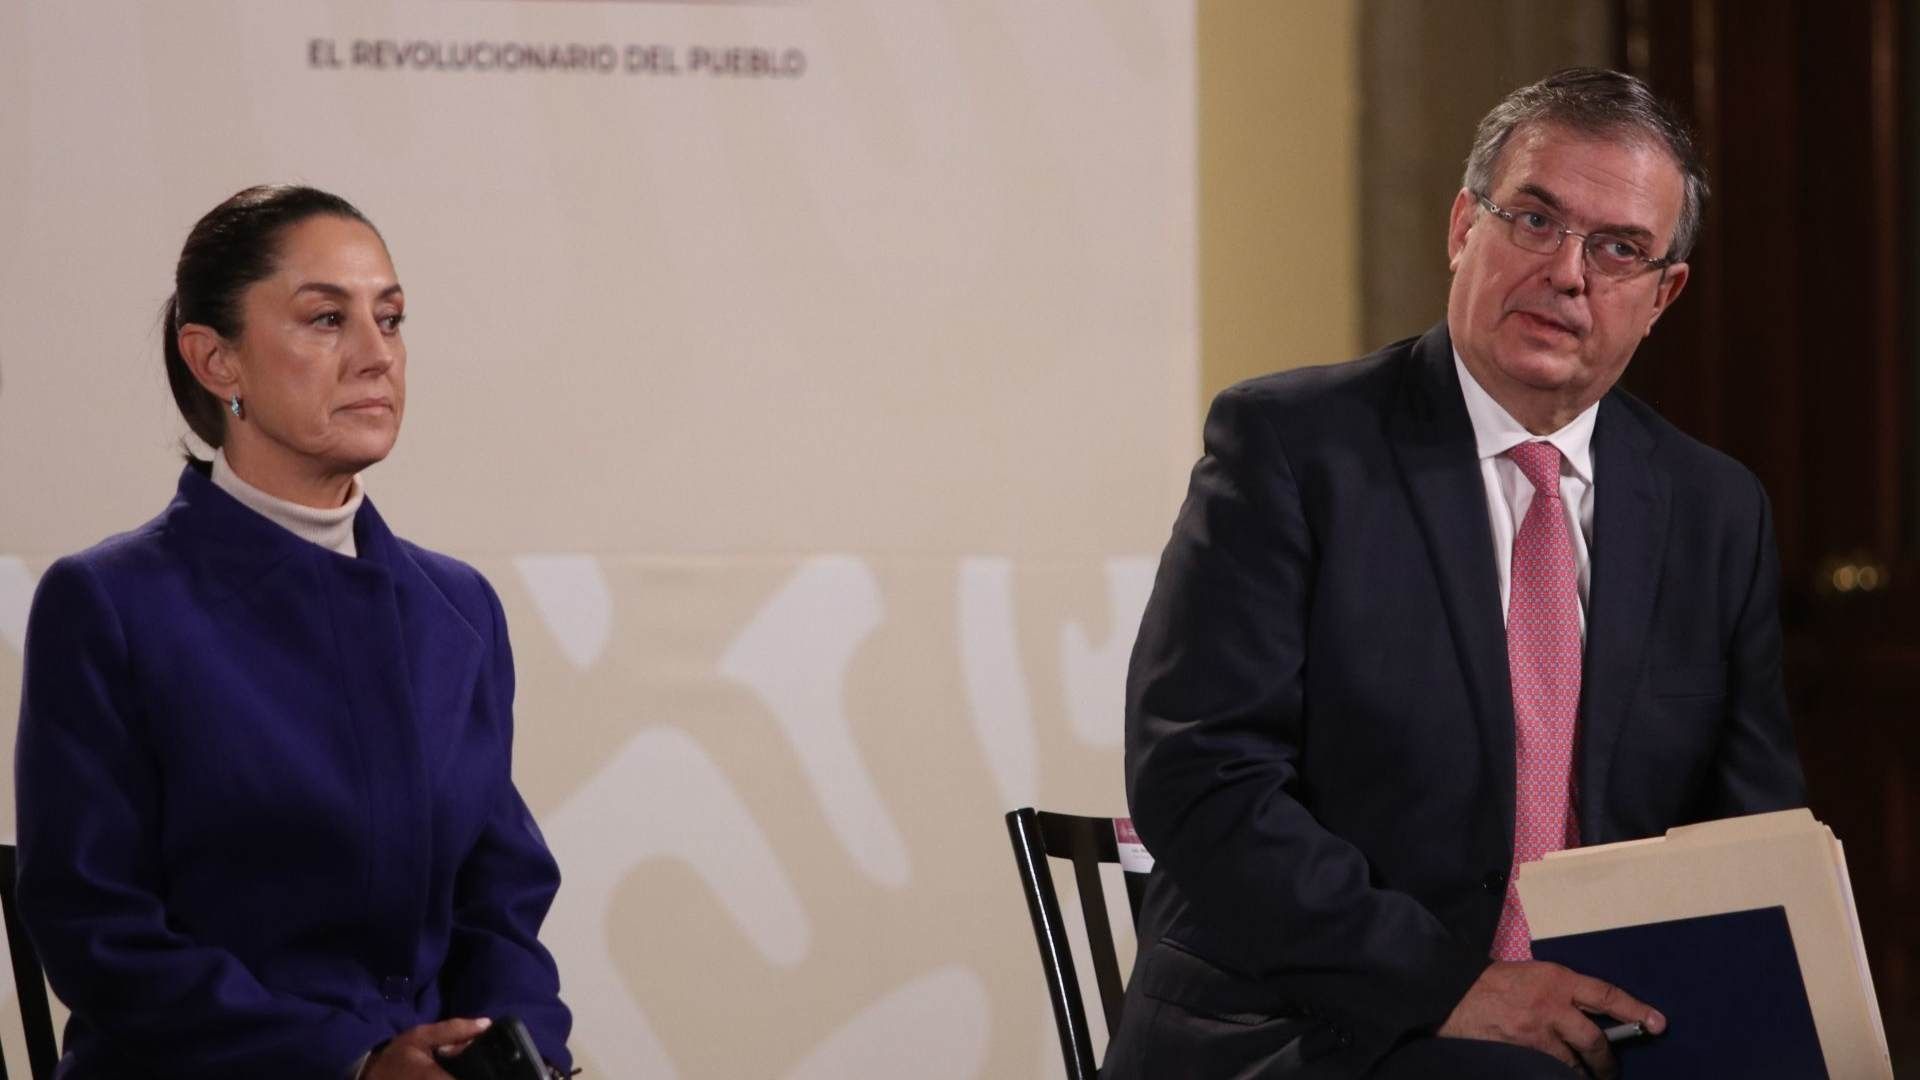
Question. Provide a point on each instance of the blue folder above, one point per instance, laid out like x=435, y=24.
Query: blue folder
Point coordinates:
x=1730, y=988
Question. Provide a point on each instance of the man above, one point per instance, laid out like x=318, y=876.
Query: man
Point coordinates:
x=1430, y=614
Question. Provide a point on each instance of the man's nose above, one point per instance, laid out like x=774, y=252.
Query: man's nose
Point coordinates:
x=1567, y=267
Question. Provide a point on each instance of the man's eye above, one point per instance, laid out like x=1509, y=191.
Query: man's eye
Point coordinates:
x=1615, y=248
x=1533, y=222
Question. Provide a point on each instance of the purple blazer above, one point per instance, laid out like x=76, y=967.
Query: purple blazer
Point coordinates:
x=266, y=819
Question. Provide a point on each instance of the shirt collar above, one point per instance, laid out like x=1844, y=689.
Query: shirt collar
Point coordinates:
x=1495, y=431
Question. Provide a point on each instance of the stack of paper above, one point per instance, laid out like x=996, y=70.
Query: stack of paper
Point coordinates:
x=1692, y=923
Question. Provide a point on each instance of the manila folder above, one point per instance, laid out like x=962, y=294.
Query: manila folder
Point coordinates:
x=1786, y=860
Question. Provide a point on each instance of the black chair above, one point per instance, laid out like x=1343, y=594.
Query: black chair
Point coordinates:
x=1087, y=842
x=29, y=984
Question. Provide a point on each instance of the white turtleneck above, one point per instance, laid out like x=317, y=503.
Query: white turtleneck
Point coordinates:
x=331, y=529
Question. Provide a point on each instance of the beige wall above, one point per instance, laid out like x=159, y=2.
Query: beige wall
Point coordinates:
x=1331, y=135
x=1279, y=202
x=1429, y=70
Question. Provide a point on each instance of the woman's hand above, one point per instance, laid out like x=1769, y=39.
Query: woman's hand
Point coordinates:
x=410, y=1055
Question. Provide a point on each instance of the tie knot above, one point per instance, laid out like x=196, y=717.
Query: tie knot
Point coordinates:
x=1540, y=463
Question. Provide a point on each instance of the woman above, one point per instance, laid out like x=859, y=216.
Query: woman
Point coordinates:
x=266, y=823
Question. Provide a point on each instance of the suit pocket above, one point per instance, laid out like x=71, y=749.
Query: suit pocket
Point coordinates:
x=1178, y=977
x=1187, y=1020
x=1689, y=681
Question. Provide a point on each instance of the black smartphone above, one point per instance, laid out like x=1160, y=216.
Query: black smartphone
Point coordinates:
x=502, y=1052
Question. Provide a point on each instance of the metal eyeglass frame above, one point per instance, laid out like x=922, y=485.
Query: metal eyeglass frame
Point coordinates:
x=1646, y=262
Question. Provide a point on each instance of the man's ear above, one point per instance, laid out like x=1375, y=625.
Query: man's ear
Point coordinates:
x=1671, y=282
x=1465, y=205
x=210, y=357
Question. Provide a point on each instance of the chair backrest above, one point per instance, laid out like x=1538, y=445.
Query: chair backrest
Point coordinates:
x=1087, y=842
x=29, y=984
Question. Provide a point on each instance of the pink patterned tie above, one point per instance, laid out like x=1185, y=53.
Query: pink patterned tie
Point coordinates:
x=1543, y=658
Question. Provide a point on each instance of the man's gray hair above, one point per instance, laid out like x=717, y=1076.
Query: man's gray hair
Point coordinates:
x=1597, y=102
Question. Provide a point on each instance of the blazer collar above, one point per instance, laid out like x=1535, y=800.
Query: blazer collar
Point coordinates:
x=1632, y=504
x=1432, y=440
x=237, y=545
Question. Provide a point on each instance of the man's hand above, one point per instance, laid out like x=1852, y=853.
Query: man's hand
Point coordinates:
x=1540, y=1005
x=410, y=1055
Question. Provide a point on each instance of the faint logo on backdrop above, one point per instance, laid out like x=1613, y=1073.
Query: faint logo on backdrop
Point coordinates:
x=680, y=810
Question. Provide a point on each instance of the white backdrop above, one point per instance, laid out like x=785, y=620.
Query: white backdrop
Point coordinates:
x=814, y=380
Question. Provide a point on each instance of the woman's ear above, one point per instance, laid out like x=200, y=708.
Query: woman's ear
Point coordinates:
x=210, y=358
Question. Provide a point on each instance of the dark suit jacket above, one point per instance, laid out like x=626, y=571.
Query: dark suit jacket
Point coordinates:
x=1320, y=743
x=265, y=814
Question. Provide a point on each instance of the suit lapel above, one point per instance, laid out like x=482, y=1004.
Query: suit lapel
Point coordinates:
x=441, y=653
x=413, y=669
x=1432, y=440
x=1631, y=503
x=232, y=546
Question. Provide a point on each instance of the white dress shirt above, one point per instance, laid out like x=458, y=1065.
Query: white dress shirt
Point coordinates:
x=1509, y=492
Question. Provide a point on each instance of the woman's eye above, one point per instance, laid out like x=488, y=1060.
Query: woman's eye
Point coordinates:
x=391, y=323
x=328, y=319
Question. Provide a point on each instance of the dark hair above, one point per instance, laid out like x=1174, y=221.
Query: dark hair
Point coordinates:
x=236, y=244
x=1595, y=101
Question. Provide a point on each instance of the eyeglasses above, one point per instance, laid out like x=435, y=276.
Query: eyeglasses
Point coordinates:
x=1608, y=255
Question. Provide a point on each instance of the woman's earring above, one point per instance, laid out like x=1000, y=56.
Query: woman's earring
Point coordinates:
x=233, y=406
